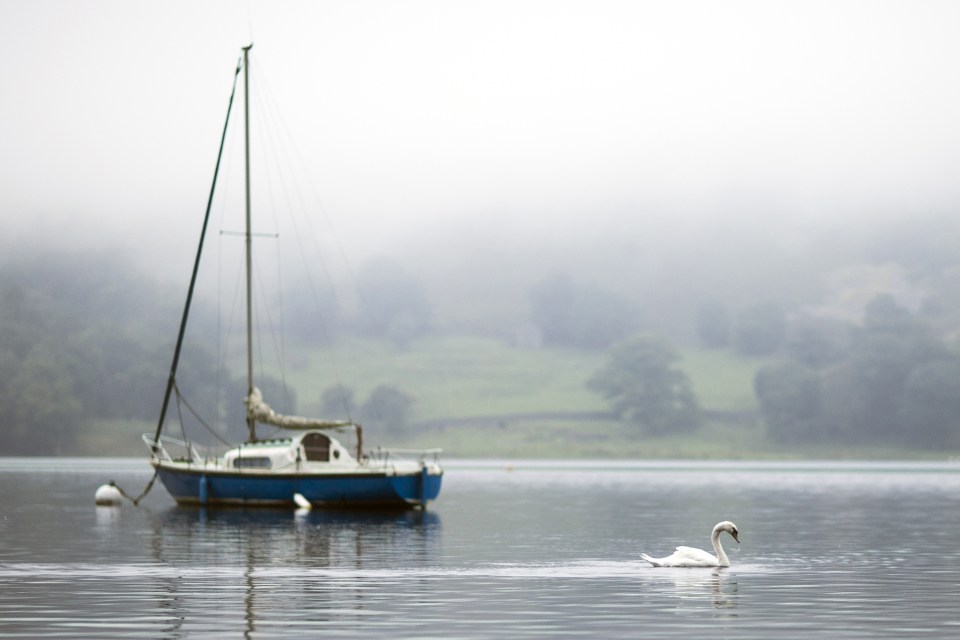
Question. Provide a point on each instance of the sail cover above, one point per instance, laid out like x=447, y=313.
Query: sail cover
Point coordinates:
x=260, y=411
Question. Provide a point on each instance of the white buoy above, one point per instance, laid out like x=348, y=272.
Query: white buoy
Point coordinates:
x=302, y=503
x=109, y=495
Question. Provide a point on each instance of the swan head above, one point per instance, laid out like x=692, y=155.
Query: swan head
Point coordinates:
x=729, y=527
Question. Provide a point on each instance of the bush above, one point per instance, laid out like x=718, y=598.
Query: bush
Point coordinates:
x=645, y=388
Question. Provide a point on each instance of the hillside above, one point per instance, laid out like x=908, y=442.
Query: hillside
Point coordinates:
x=465, y=388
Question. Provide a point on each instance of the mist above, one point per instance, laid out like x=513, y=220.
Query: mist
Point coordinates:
x=515, y=124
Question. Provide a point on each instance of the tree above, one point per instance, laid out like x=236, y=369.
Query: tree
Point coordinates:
x=645, y=388
x=760, y=330
x=891, y=344
x=841, y=400
x=713, y=324
x=387, y=408
x=579, y=315
x=864, y=395
x=45, y=413
x=338, y=401
x=789, y=396
x=930, y=410
x=818, y=342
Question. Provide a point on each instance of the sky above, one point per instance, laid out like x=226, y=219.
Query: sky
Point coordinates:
x=417, y=119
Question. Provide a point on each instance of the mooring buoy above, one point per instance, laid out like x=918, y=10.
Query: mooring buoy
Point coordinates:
x=108, y=495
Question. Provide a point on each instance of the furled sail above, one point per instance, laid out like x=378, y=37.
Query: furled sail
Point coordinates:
x=260, y=411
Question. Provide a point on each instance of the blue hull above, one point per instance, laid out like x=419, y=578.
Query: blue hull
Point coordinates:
x=198, y=486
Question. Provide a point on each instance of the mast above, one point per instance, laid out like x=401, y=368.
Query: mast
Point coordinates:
x=248, y=236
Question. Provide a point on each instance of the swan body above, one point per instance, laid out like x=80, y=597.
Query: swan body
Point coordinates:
x=690, y=557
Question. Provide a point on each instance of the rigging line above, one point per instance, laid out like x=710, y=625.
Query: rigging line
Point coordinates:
x=284, y=134
x=241, y=234
x=228, y=329
x=282, y=346
x=143, y=494
x=270, y=178
x=265, y=130
x=220, y=346
x=171, y=380
x=265, y=323
x=195, y=414
x=265, y=125
x=226, y=322
x=183, y=429
x=273, y=320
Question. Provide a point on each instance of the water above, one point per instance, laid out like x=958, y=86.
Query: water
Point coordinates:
x=521, y=549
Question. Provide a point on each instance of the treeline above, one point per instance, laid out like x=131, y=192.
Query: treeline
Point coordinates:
x=888, y=381
x=87, y=338
x=79, y=340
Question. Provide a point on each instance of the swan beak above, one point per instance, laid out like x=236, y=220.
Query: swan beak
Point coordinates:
x=735, y=536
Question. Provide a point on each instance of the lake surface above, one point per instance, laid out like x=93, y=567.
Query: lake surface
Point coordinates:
x=511, y=549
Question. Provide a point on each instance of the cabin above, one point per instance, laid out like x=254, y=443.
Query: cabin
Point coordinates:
x=311, y=448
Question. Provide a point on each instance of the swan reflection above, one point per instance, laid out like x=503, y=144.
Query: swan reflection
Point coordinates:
x=719, y=586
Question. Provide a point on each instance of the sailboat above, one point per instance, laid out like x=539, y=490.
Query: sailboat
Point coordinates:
x=308, y=465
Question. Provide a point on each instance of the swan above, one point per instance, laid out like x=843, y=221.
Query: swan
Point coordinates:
x=690, y=557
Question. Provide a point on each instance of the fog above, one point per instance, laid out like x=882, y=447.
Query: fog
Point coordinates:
x=765, y=190
x=530, y=125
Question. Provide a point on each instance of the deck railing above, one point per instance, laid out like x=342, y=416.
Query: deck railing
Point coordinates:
x=183, y=451
x=382, y=456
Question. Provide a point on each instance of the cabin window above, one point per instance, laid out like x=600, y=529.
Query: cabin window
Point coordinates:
x=258, y=462
x=317, y=447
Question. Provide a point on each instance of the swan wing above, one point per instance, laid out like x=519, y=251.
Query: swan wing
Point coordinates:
x=684, y=557
x=693, y=557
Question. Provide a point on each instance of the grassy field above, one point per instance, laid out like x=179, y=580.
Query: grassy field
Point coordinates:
x=722, y=380
x=456, y=377
x=465, y=377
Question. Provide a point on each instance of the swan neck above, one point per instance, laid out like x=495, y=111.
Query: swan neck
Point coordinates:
x=722, y=559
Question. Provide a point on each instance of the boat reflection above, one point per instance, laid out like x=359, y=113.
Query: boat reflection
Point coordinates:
x=316, y=538
x=306, y=563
